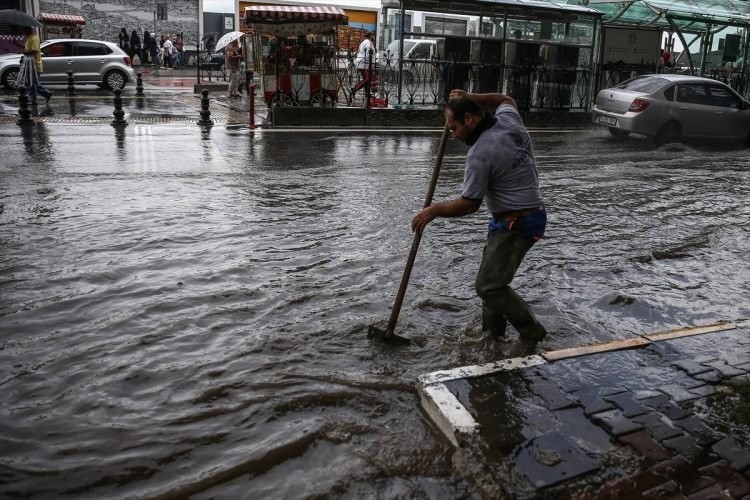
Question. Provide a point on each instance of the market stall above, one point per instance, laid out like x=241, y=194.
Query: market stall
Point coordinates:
x=295, y=52
x=60, y=25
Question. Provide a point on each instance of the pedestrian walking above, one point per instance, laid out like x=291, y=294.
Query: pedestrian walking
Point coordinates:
x=178, y=50
x=135, y=46
x=167, y=51
x=32, y=67
x=154, y=49
x=123, y=40
x=232, y=61
x=363, y=62
x=501, y=171
x=146, y=48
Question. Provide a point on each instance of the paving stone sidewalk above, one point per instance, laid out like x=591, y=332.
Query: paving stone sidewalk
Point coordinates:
x=168, y=96
x=637, y=423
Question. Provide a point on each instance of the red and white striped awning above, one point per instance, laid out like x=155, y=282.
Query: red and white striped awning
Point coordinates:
x=294, y=20
x=61, y=19
x=294, y=13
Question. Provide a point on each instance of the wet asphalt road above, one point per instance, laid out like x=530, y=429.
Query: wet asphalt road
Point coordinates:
x=186, y=313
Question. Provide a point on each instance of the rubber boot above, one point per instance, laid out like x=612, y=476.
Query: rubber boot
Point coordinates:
x=527, y=325
x=493, y=322
x=530, y=332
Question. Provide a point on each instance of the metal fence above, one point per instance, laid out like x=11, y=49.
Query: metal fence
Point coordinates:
x=210, y=66
x=427, y=82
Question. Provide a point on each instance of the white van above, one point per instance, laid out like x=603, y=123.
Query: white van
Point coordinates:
x=413, y=49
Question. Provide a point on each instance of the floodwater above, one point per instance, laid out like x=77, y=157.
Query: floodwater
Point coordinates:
x=186, y=313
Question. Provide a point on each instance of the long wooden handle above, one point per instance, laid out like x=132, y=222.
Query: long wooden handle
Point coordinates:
x=417, y=237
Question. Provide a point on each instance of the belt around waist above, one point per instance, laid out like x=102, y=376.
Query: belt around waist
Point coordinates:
x=513, y=214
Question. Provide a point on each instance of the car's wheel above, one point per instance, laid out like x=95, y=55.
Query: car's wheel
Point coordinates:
x=115, y=79
x=669, y=132
x=9, y=78
x=616, y=132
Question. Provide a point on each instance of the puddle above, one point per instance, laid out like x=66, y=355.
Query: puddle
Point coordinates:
x=551, y=459
x=728, y=410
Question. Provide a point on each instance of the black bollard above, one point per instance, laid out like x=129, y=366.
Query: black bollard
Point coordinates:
x=139, y=85
x=119, y=120
x=24, y=113
x=71, y=90
x=205, y=120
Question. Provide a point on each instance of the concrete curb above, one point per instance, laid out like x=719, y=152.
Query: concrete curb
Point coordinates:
x=456, y=422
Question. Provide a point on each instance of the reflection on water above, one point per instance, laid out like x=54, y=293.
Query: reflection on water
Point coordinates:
x=36, y=142
x=120, y=140
x=189, y=316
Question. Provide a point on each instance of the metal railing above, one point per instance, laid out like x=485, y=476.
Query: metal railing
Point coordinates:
x=210, y=66
x=425, y=83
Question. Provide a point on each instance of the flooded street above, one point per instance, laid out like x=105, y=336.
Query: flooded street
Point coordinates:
x=186, y=314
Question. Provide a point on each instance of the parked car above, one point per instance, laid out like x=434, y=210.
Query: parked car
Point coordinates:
x=669, y=107
x=417, y=53
x=413, y=49
x=92, y=62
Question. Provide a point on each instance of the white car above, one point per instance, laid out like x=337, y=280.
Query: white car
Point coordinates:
x=668, y=107
x=413, y=49
x=92, y=62
x=417, y=61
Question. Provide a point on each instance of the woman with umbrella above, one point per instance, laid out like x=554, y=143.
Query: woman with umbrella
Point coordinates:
x=31, y=63
x=31, y=67
x=232, y=57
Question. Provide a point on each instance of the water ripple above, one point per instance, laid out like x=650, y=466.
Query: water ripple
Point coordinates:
x=198, y=327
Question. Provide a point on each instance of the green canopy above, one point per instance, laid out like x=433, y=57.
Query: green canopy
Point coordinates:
x=685, y=15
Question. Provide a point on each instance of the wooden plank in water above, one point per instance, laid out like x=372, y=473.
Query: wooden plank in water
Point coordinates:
x=616, y=345
x=691, y=330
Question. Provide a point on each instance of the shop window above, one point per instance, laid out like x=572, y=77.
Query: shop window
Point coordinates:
x=491, y=27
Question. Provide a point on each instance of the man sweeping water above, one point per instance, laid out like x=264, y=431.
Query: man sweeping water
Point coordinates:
x=501, y=171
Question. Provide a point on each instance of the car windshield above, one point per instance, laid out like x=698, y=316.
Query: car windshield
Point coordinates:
x=408, y=44
x=646, y=84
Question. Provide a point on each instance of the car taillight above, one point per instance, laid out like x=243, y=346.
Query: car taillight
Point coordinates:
x=127, y=60
x=638, y=105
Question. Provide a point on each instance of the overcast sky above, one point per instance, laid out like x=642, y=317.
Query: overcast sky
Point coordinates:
x=218, y=5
